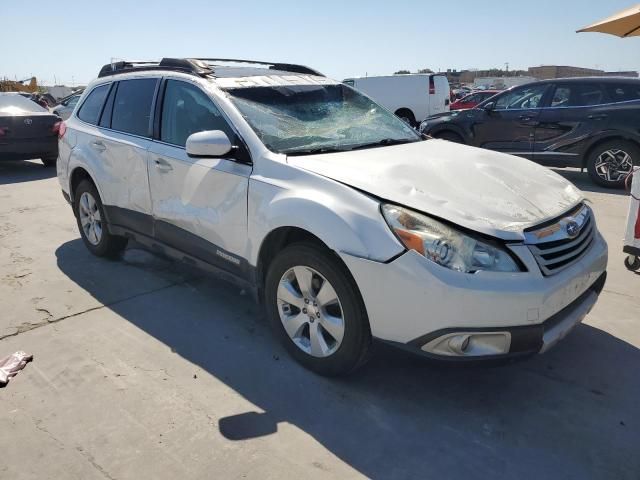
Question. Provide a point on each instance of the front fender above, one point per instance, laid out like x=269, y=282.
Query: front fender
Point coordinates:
x=346, y=220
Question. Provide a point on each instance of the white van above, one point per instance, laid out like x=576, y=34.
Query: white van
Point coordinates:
x=412, y=97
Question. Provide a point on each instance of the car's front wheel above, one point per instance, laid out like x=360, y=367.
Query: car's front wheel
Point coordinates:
x=315, y=308
x=609, y=163
x=92, y=224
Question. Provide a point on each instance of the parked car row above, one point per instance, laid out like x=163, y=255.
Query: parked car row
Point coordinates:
x=347, y=224
x=591, y=123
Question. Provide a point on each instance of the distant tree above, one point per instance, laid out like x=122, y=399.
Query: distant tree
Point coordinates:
x=402, y=72
x=425, y=70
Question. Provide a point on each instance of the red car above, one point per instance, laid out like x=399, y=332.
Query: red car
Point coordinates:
x=473, y=99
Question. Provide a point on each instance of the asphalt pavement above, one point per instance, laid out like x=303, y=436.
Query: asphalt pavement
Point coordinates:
x=146, y=369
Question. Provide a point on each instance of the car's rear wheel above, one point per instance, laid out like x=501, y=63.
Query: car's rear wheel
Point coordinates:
x=609, y=163
x=407, y=117
x=92, y=224
x=316, y=310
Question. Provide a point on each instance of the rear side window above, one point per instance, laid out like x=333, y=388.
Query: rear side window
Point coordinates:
x=622, y=92
x=132, y=106
x=92, y=106
x=577, y=95
x=186, y=110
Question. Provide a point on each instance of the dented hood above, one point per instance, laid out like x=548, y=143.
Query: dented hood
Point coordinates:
x=489, y=192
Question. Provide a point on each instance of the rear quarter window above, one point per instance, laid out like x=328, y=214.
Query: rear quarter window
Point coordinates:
x=622, y=92
x=92, y=106
x=132, y=106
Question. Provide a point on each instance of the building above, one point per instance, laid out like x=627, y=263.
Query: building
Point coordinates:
x=500, y=83
x=544, y=72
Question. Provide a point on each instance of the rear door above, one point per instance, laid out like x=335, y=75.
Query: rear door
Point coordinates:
x=125, y=136
x=199, y=204
x=510, y=126
x=574, y=113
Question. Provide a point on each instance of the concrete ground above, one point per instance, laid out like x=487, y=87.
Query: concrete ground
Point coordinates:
x=147, y=370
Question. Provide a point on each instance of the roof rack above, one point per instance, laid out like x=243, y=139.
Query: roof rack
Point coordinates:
x=202, y=67
x=283, y=67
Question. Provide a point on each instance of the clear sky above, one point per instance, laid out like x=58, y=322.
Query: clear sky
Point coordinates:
x=70, y=40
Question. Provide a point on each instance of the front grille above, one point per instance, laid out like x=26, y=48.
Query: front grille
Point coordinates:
x=554, y=248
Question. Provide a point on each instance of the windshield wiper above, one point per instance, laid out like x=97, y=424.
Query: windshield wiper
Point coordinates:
x=384, y=143
x=314, y=151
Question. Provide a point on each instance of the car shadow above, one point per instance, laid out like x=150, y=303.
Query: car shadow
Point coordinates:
x=571, y=413
x=584, y=182
x=23, y=171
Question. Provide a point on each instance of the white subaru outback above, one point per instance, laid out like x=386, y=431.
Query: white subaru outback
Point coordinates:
x=345, y=222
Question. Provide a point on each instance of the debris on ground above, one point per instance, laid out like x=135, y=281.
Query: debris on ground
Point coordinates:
x=12, y=364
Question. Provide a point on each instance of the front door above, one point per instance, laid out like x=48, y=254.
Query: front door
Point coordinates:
x=510, y=126
x=199, y=204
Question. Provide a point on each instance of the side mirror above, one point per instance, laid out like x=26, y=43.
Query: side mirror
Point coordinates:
x=210, y=143
x=489, y=107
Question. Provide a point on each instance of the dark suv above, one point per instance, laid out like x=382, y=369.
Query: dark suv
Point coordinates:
x=591, y=123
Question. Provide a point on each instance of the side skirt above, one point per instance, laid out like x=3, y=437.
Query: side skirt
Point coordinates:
x=158, y=247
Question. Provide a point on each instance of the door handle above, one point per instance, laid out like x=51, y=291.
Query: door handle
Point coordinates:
x=527, y=118
x=163, y=165
x=597, y=116
x=98, y=145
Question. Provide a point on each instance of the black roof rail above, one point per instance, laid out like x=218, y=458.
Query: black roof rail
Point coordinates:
x=285, y=67
x=185, y=65
x=196, y=66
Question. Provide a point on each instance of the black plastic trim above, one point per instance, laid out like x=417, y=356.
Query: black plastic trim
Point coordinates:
x=631, y=250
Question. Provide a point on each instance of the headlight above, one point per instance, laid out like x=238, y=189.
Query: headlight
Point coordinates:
x=444, y=245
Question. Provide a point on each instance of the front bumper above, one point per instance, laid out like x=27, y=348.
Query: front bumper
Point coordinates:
x=411, y=301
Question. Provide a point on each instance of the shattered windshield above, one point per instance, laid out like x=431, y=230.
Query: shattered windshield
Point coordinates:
x=306, y=119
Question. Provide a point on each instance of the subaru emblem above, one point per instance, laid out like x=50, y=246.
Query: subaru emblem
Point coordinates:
x=573, y=229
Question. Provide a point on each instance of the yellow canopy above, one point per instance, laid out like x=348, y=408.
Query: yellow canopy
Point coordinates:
x=622, y=24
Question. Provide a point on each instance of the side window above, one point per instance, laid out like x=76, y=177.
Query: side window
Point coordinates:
x=521, y=98
x=92, y=106
x=577, y=95
x=186, y=110
x=622, y=92
x=132, y=106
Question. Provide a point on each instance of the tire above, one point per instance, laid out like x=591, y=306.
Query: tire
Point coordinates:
x=621, y=153
x=449, y=136
x=341, y=356
x=407, y=117
x=632, y=262
x=49, y=162
x=102, y=244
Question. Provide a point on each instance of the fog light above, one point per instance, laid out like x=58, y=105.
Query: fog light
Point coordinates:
x=470, y=344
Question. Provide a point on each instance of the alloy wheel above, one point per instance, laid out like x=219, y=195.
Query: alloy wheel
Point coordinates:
x=310, y=311
x=613, y=165
x=90, y=218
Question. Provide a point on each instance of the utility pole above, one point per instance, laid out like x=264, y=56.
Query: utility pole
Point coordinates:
x=506, y=67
